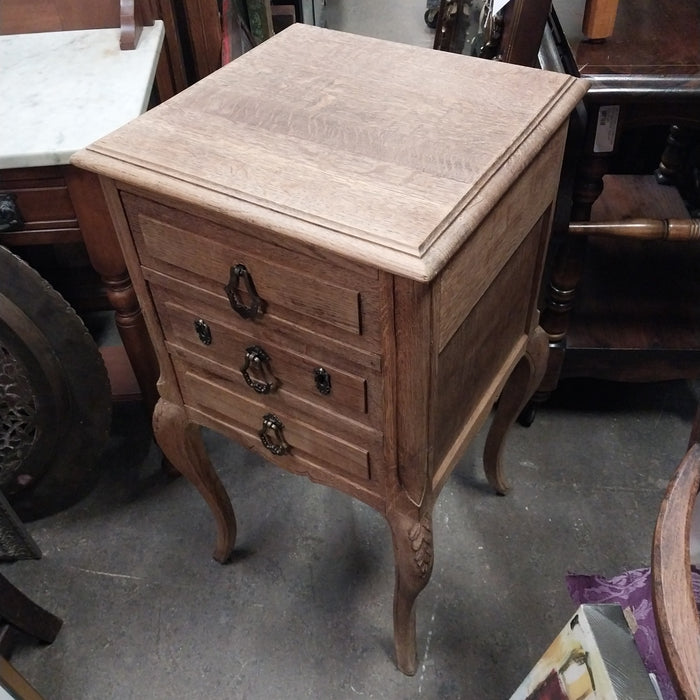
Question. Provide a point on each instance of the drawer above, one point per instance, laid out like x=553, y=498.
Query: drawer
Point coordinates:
x=41, y=197
x=312, y=449
x=270, y=284
x=214, y=307
x=288, y=379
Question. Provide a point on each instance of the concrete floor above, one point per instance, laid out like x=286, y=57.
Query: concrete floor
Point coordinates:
x=304, y=610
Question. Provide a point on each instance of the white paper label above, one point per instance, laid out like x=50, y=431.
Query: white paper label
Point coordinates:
x=498, y=5
x=606, y=128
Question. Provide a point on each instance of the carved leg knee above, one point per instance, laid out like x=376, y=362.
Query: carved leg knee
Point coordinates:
x=413, y=551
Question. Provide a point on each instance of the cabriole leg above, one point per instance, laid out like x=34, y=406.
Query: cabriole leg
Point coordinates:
x=521, y=385
x=181, y=441
x=413, y=553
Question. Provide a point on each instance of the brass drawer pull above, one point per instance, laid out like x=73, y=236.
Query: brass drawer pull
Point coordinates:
x=258, y=360
x=203, y=331
x=322, y=380
x=278, y=446
x=239, y=273
x=10, y=217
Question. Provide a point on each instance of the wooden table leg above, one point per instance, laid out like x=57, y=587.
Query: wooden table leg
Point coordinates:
x=521, y=385
x=599, y=19
x=567, y=268
x=106, y=257
x=411, y=531
x=181, y=441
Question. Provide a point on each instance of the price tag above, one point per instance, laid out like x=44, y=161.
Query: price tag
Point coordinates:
x=606, y=128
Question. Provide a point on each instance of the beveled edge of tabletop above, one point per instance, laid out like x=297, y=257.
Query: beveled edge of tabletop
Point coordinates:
x=421, y=262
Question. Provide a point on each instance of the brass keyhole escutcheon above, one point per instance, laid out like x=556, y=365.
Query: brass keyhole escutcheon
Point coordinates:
x=322, y=380
x=203, y=331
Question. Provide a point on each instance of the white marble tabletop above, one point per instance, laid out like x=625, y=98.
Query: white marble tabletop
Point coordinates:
x=63, y=90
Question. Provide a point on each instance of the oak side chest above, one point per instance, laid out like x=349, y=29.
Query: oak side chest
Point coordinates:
x=337, y=242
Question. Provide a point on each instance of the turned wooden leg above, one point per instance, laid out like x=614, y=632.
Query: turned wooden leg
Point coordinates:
x=181, y=441
x=673, y=157
x=107, y=259
x=521, y=384
x=567, y=266
x=413, y=555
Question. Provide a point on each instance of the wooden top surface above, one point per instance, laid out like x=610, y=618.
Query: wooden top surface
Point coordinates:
x=387, y=153
x=651, y=37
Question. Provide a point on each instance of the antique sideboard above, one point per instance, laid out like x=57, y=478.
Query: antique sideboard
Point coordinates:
x=337, y=243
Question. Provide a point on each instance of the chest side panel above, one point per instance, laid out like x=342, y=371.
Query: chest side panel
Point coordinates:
x=478, y=358
x=479, y=261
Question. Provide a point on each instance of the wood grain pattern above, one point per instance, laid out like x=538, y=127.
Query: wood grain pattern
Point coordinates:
x=198, y=251
x=210, y=395
x=474, y=267
x=42, y=197
x=204, y=29
x=348, y=156
x=57, y=15
x=465, y=371
x=167, y=383
x=285, y=331
x=645, y=40
x=414, y=370
x=394, y=211
x=293, y=373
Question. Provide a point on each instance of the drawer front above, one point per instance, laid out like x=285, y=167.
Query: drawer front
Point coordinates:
x=267, y=283
x=41, y=198
x=298, y=445
x=287, y=378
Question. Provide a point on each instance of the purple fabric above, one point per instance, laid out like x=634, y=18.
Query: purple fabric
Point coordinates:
x=632, y=590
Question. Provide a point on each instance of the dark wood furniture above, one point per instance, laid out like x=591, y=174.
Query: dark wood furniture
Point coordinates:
x=21, y=616
x=20, y=619
x=213, y=37
x=675, y=609
x=513, y=35
x=343, y=280
x=62, y=226
x=620, y=309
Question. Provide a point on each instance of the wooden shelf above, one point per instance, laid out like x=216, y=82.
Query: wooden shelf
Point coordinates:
x=637, y=315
